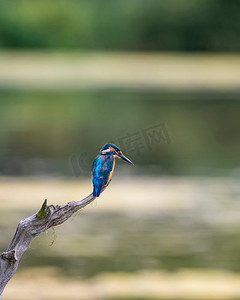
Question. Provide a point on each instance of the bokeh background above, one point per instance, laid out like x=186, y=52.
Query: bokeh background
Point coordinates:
x=160, y=79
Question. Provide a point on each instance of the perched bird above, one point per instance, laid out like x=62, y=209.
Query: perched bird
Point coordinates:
x=103, y=167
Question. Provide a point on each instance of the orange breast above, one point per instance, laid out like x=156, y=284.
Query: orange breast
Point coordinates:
x=110, y=174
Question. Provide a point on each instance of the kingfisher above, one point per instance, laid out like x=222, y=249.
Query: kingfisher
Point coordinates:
x=103, y=166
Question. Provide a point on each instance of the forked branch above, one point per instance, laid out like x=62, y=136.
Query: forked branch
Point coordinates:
x=31, y=227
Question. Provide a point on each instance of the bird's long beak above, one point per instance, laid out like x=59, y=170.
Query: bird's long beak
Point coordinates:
x=125, y=158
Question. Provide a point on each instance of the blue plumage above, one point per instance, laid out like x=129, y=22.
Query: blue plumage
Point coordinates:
x=103, y=166
x=101, y=169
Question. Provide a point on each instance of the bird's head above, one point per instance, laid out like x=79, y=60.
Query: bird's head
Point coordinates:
x=111, y=149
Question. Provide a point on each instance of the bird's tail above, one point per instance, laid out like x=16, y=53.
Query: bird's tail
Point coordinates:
x=97, y=187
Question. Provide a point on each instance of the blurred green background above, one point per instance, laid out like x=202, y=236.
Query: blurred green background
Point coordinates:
x=158, y=78
x=202, y=25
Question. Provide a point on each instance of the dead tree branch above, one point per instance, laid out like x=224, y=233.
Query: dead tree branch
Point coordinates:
x=29, y=228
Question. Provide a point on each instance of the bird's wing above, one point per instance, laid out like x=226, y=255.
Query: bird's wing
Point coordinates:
x=102, y=166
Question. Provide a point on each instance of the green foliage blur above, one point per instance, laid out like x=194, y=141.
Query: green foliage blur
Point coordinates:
x=168, y=25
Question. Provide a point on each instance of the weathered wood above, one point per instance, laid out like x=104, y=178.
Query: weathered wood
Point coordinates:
x=29, y=228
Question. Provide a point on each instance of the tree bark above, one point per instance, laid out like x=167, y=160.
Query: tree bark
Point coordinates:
x=31, y=227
